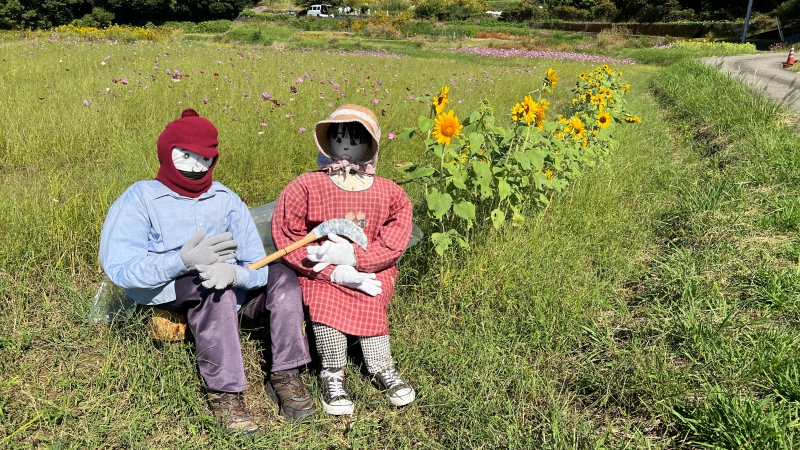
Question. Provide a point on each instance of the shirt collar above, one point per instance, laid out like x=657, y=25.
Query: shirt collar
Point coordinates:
x=161, y=191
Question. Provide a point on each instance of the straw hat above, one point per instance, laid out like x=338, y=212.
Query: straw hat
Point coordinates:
x=349, y=113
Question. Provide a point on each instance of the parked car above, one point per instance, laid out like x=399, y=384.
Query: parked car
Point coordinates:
x=320, y=11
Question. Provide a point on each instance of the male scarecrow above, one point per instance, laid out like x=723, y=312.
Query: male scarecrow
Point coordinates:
x=348, y=289
x=180, y=243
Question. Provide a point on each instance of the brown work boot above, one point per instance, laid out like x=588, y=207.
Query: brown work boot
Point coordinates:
x=291, y=394
x=230, y=411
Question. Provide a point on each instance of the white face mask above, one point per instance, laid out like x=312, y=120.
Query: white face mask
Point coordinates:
x=189, y=161
x=343, y=147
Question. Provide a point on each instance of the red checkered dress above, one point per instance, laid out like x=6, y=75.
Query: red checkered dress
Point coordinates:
x=383, y=211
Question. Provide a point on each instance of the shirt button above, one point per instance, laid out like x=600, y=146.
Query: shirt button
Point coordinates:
x=200, y=223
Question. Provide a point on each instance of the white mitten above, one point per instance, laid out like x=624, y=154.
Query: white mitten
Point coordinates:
x=348, y=276
x=336, y=251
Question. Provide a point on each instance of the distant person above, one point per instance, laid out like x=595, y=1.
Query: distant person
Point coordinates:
x=179, y=243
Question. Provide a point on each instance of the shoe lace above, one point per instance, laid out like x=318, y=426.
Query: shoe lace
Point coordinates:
x=335, y=383
x=391, y=378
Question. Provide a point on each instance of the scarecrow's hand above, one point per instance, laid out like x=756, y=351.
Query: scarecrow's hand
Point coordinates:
x=337, y=251
x=217, y=276
x=212, y=250
x=349, y=277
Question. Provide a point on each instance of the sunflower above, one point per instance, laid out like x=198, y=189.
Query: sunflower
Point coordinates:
x=446, y=126
x=633, y=119
x=441, y=100
x=577, y=127
x=604, y=119
x=551, y=78
x=549, y=174
x=540, y=115
x=582, y=75
x=526, y=110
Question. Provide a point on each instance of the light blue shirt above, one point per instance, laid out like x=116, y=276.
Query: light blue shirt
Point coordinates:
x=149, y=223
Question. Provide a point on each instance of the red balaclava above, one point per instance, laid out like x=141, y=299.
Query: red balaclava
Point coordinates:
x=193, y=133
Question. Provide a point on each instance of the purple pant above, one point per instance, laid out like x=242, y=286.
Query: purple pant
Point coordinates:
x=211, y=316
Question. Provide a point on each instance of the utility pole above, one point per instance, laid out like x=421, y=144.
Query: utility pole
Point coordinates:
x=747, y=20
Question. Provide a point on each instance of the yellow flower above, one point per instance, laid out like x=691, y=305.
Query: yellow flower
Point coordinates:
x=446, y=126
x=577, y=127
x=608, y=92
x=441, y=100
x=549, y=174
x=559, y=135
x=627, y=88
x=595, y=133
x=604, y=119
x=582, y=75
x=527, y=110
x=585, y=142
x=620, y=73
x=552, y=78
x=633, y=119
x=540, y=115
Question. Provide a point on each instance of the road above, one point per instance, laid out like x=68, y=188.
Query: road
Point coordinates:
x=765, y=73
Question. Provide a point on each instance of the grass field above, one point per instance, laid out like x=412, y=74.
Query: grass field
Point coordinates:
x=653, y=305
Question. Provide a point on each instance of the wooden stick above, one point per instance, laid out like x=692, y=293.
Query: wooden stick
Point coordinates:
x=311, y=237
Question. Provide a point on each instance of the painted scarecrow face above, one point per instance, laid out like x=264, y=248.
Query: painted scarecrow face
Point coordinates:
x=189, y=162
x=343, y=146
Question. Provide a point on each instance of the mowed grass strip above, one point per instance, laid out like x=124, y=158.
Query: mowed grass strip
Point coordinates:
x=654, y=303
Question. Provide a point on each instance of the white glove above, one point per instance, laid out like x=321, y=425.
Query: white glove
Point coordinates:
x=349, y=277
x=336, y=251
x=217, y=276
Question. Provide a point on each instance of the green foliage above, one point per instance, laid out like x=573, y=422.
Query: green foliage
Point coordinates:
x=17, y=14
x=525, y=11
x=98, y=18
x=449, y=10
x=489, y=174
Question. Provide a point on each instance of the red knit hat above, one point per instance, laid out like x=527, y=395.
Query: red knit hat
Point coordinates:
x=193, y=133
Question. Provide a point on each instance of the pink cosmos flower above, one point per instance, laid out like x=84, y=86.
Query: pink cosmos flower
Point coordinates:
x=301, y=130
x=263, y=124
x=86, y=103
x=376, y=101
x=265, y=96
x=293, y=89
x=299, y=79
x=205, y=100
x=391, y=136
x=124, y=80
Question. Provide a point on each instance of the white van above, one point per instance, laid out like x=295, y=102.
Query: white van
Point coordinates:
x=320, y=10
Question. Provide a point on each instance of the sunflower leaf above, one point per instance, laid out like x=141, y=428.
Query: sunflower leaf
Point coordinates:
x=439, y=203
x=425, y=124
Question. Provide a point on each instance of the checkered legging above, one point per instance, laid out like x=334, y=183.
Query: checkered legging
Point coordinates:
x=332, y=349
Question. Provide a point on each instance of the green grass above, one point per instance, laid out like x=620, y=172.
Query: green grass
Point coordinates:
x=653, y=305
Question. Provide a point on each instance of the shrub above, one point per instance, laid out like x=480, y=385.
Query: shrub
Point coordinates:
x=525, y=11
x=605, y=11
x=570, y=13
x=98, y=18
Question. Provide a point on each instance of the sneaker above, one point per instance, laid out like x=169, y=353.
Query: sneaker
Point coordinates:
x=291, y=394
x=230, y=411
x=398, y=391
x=335, y=400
